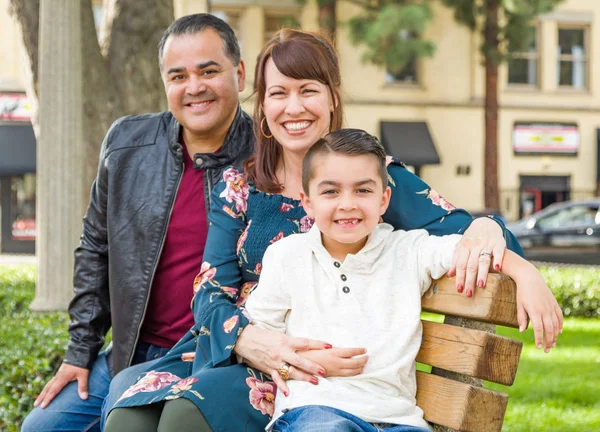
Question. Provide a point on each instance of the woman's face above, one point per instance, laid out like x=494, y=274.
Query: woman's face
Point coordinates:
x=298, y=112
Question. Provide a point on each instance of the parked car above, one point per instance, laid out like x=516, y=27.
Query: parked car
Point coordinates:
x=567, y=232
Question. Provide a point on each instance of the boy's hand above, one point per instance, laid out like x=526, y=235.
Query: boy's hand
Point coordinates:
x=339, y=361
x=536, y=302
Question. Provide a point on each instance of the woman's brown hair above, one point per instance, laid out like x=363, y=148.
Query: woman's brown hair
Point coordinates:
x=299, y=55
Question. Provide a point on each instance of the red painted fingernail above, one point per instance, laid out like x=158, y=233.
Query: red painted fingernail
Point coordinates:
x=480, y=283
x=497, y=266
x=322, y=373
x=314, y=381
x=328, y=346
x=460, y=288
x=469, y=293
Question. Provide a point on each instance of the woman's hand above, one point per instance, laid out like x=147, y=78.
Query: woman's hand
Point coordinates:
x=536, y=302
x=483, y=235
x=270, y=350
x=338, y=362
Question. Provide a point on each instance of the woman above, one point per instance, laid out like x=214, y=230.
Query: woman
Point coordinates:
x=297, y=85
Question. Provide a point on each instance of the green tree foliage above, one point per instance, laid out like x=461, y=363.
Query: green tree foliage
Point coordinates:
x=514, y=19
x=391, y=31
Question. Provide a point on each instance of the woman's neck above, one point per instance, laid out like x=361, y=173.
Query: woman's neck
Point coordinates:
x=289, y=174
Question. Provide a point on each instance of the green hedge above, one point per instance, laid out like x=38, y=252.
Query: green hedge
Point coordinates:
x=32, y=345
x=577, y=289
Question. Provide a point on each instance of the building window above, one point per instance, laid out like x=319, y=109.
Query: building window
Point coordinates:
x=408, y=74
x=523, y=65
x=572, y=57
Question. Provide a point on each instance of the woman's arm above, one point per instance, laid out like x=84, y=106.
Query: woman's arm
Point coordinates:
x=224, y=329
x=415, y=205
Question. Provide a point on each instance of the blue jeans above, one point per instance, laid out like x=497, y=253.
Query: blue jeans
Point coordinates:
x=317, y=418
x=68, y=413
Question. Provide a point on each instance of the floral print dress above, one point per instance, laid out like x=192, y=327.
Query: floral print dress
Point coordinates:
x=243, y=223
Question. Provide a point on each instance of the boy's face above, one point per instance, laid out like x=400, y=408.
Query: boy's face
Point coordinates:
x=346, y=198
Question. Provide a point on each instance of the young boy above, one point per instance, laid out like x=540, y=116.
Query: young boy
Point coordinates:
x=352, y=282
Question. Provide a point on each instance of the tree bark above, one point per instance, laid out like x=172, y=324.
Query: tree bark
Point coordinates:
x=491, y=107
x=328, y=18
x=60, y=148
x=119, y=76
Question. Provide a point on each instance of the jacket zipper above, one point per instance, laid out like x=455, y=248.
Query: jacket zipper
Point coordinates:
x=162, y=244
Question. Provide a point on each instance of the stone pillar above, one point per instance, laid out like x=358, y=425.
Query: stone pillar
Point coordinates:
x=59, y=152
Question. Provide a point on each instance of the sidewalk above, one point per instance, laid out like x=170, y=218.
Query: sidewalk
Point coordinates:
x=11, y=259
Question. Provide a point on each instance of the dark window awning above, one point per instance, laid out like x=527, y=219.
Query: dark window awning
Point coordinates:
x=410, y=142
x=17, y=149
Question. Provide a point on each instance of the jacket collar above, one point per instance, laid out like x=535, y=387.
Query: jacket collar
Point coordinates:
x=238, y=139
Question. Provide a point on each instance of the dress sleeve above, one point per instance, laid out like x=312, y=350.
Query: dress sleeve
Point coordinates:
x=217, y=286
x=270, y=301
x=415, y=205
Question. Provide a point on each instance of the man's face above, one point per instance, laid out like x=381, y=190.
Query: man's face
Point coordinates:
x=201, y=82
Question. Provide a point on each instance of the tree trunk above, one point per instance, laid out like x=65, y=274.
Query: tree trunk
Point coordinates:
x=60, y=148
x=123, y=78
x=328, y=18
x=491, y=107
x=118, y=79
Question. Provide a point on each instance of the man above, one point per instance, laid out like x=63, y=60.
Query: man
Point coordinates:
x=146, y=224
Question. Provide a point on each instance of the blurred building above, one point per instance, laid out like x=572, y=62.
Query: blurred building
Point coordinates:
x=430, y=114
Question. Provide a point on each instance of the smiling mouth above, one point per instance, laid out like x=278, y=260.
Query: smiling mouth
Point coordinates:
x=348, y=222
x=297, y=126
x=201, y=104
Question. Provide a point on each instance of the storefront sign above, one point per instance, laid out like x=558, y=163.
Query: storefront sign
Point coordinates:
x=553, y=138
x=14, y=106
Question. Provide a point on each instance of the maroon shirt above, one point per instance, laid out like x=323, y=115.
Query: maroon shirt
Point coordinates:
x=169, y=315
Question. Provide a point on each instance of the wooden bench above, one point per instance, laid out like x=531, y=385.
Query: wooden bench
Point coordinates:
x=464, y=351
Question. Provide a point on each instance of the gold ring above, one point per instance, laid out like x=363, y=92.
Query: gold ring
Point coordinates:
x=284, y=371
x=482, y=253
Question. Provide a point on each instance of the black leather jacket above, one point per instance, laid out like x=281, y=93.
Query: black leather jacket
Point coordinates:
x=124, y=228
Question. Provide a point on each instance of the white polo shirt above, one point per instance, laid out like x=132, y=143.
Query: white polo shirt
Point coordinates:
x=371, y=300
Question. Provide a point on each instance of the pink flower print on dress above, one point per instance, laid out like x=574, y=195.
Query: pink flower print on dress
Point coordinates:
x=183, y=385
x=230, y=324
x=229, y=212
x=246, y=290
x=242, y=239
x=230, y=291
x=150, y=382
x=437, y=199
x=258, y=269
x=207, y=273
x=236, y=189
x=277, y=237
x=285, y=207
x=306, y=224
x=262, y=395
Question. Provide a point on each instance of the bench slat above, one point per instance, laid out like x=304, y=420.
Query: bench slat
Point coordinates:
x=496, y=303
x=460, y=406
x=471, y=352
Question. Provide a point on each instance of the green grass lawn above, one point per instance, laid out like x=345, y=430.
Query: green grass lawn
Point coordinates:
x=559, y=391
x=556, y=392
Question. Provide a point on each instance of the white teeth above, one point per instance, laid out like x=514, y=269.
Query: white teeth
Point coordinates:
x=296, y=126
x=348, y=222
x=200, y=104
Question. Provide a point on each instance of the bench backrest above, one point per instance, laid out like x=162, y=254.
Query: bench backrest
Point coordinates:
x=464, y=351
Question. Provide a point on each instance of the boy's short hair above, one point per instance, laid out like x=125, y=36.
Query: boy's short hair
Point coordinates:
x=350, y=142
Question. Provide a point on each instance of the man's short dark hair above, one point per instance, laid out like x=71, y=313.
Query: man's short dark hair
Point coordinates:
x=192, y=24
x=350, y=142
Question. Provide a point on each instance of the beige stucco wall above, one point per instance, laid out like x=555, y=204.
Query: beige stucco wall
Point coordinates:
x=11, y=72
x=449, y=96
